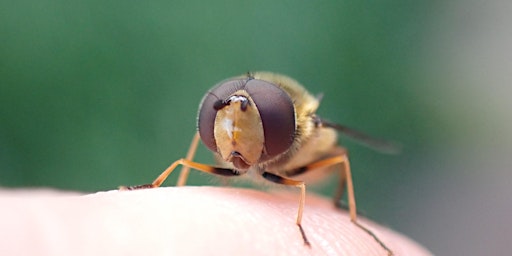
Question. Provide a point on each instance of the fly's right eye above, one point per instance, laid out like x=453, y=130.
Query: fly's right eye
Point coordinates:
x=213, y=101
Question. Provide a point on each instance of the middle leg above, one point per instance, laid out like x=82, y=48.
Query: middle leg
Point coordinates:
x=346, y=178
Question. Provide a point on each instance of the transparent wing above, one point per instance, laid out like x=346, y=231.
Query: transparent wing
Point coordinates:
x=383, y=146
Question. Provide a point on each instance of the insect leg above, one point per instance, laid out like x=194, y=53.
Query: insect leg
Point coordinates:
x=346, y=178
x=201, y=167
x=289, y=182
x=185, y=170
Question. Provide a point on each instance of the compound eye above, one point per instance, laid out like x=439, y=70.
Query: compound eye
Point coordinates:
x=277, y=115
x=210, y=103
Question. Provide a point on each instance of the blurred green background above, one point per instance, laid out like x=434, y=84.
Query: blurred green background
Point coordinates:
x=96, y=94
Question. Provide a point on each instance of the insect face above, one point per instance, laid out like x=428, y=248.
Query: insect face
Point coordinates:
x=238, y=130
x=247, y=121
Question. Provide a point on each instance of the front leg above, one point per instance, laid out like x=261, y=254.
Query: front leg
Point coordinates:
x=289, y=182
x=198, y=166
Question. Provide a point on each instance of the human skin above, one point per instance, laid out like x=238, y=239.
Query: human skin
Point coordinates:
x=183, y=221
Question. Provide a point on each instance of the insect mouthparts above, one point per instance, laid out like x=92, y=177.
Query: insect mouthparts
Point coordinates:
x=236, y=154
x=238, y=160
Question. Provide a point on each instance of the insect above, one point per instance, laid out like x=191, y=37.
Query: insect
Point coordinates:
x=266, y=123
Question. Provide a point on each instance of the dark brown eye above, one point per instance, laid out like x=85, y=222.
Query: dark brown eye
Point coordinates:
x=277, y=115
x=209, y=106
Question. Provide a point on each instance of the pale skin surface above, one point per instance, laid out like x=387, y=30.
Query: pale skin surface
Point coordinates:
x=183, y=221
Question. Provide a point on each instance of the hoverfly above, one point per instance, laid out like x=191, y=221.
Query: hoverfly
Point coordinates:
x=266, y=123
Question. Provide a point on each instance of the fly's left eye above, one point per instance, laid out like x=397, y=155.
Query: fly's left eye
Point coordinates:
x=277, y=115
